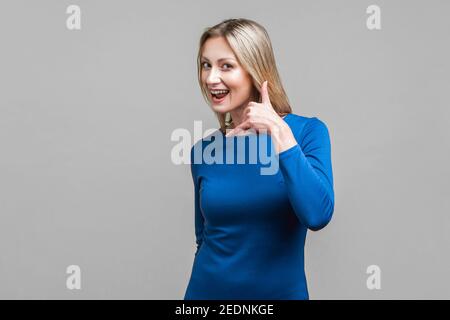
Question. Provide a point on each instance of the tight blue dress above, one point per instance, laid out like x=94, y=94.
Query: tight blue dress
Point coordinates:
x=250, y=228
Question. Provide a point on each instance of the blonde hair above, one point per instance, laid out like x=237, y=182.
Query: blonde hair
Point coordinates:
x=253, y=49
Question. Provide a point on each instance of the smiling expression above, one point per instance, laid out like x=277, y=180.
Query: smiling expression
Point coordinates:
x=228, y=85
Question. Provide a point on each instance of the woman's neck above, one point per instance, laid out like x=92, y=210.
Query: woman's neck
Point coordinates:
x=236, y=117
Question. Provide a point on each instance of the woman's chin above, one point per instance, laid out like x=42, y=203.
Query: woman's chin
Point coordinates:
x=221, y=108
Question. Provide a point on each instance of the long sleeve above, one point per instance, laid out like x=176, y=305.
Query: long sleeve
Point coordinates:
x=199, y=220
x=308, y=176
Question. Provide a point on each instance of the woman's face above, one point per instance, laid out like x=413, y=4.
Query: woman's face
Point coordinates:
x=221, y=71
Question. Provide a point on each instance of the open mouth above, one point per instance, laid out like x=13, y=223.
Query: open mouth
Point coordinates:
x=219, y=95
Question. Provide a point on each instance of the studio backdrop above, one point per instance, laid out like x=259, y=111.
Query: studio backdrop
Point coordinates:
x=93, y=205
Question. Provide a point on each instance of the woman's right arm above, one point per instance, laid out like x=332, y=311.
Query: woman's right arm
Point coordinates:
x=199, y=220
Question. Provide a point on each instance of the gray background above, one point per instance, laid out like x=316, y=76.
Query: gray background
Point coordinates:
x=86, y=116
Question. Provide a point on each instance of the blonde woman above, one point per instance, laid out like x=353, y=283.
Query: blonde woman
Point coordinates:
x=250, y=228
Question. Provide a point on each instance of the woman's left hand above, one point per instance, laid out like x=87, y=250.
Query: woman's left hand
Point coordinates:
x=262, y=117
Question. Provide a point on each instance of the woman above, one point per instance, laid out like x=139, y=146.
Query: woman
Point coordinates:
x=250, y=228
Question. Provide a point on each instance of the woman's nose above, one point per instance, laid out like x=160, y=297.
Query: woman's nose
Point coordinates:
x=213, y=76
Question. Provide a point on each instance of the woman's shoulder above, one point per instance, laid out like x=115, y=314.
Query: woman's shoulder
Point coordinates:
x=303, y=119
x=302, y=124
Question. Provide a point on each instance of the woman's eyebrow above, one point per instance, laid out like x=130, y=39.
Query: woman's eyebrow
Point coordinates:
x=221, y=59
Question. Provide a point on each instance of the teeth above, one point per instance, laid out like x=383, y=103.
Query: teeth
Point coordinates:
x=219, y=91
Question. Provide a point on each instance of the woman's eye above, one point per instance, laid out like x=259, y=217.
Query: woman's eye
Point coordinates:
x=225, y=66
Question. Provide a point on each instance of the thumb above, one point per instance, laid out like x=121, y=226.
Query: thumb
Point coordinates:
x=265, y=93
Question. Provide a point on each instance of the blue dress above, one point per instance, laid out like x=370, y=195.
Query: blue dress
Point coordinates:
x=250, y=228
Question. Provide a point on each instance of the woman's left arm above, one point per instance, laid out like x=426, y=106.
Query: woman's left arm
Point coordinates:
x=308, y=176
x=306, y=168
